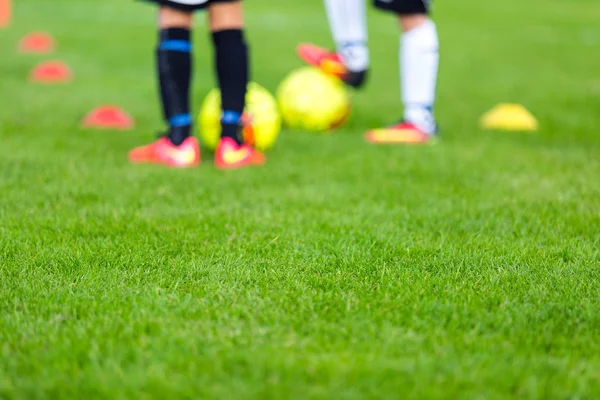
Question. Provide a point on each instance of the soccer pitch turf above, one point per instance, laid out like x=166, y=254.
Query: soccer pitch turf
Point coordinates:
x=469, y=269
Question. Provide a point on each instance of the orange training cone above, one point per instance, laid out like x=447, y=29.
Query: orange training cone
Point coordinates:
x=5, y=13
x=36, y=42
x=108, y=117
x=51, y=72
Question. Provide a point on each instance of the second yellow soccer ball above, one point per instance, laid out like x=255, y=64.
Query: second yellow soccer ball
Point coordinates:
x=311, y=100
x=261, y=122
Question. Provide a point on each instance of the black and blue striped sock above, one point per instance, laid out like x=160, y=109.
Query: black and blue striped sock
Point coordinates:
x=231, y=59
x=174, y=61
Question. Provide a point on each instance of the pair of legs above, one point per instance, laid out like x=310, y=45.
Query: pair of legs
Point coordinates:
x=221, y=16
x=174, y=67
x=418, y=56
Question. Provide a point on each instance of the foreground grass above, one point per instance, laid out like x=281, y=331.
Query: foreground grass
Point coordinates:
x=340, y=270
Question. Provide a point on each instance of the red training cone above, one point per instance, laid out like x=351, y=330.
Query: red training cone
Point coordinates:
x=108, y=117
x=36, y=42
x=5, y=13
x=51, y=72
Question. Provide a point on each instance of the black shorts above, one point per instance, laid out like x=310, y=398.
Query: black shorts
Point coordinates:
x=404, y=6
x=188, y=5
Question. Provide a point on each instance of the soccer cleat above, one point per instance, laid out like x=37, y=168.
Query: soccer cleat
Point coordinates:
x=401, y=133
x=162, y=151
x=330, y=63
x=230, y=155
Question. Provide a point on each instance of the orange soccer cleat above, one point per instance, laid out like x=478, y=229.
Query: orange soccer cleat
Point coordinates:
x=401, y=133
x=331, y=63
x=328, y=61
x=230, y=155
x=163, y=152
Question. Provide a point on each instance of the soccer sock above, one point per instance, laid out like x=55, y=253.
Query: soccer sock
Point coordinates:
x=231, y=57
x=174, y=74
x=348, y=24
x=419, y=58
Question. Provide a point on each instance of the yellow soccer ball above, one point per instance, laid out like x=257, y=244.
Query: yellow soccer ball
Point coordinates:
x=261, y=120
x=311, y=100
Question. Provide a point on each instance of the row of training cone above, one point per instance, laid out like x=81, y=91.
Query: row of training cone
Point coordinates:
x=51, y=72
x=47, y=71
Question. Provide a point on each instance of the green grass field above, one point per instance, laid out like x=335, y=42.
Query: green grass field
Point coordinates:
x=470, y=269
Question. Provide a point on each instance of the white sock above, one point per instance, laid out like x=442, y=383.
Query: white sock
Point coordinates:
x=419, y=58
x=348, y=24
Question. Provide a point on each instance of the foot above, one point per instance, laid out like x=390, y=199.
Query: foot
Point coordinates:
x=331, y=63
x=401, y=133
x=163, y=152
x=230, y=155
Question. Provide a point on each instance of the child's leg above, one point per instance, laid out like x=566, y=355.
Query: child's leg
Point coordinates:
x=348, y=24
x=174, y=67
x=419, y=59
x=231, y=63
